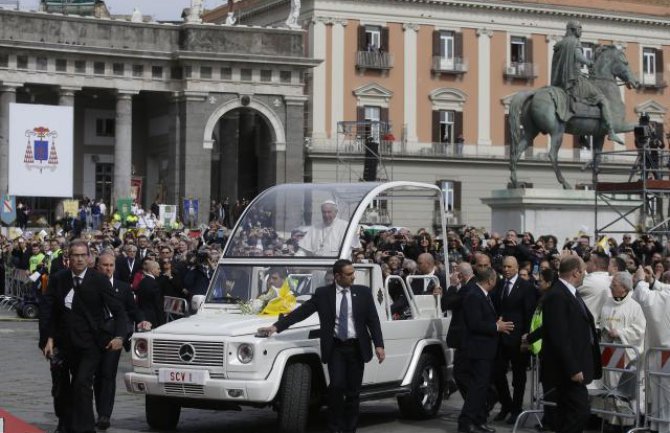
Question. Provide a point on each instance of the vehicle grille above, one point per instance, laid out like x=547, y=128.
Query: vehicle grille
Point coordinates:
x=206, y=353
x=183, y=389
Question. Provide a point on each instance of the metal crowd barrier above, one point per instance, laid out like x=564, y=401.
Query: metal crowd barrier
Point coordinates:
x=657, y=388
x=614, y=359
x=175, y=308
x=17, y=286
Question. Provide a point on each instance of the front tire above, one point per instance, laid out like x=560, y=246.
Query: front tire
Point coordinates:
x=427, y=389
x=161, y=413
x=294, y=398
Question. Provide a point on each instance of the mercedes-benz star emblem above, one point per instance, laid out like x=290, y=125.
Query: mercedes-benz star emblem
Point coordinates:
x=187, y=352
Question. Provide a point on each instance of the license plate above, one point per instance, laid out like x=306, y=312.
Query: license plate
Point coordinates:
x=190, y=377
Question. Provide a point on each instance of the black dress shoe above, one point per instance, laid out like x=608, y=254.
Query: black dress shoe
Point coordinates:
x=103, y=422
x=502, y=415
x=486, y=428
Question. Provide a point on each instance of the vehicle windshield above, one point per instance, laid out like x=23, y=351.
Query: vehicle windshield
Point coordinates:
x=297, y=220
x=254, y=287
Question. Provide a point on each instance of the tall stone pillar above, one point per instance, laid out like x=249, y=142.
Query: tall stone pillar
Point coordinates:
x=318, y=47
x=337, y=76
x=7, y=96
x=197, y=154
x=411, y=82
x=230, y=154
x=123, y=145
x=484, y=86
x=294, y=170
x=66, y=96
x=175, y=182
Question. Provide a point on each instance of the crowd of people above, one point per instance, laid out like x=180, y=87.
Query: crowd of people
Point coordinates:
x=144, y=265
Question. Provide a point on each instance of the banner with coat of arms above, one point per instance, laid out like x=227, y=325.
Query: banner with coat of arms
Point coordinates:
x=41, y=142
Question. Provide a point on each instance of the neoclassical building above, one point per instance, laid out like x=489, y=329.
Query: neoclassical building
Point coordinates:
x=187, y=110
x=438, y=69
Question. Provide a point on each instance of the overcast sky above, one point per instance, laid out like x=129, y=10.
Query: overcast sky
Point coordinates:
x=159, y=9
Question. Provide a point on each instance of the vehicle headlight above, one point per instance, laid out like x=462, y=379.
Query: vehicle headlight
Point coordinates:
x=245, y=353
x=141, y=348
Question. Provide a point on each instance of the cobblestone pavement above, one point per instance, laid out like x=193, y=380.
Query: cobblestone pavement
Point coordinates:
x=25, y=386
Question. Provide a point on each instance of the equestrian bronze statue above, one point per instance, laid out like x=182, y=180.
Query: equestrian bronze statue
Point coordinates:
x=576, y=103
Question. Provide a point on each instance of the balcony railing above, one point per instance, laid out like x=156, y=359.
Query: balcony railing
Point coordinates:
x=522, y=71
x=456, y=65
x=653, y=81
x=374, y=60
x=398, y=149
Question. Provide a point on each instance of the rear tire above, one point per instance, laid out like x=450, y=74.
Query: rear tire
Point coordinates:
x=161, y=413
x=427, y=389
x=30, y=311
x=294, y=398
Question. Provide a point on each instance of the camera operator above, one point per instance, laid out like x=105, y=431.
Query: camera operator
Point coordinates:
x=197, y=278
x=648, y=141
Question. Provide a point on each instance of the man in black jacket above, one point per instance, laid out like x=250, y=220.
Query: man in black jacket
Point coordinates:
x=514, y=299
x=453, y=301
x=570, y=352
x=149, y=295
x=346, y=314
x=104, y=385
x=72, y=316
x=480, y=345
x=127, y=264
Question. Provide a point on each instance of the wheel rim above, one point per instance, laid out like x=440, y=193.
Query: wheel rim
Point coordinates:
x=429, y=387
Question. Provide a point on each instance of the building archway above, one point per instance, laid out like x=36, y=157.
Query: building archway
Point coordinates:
x=243, y=162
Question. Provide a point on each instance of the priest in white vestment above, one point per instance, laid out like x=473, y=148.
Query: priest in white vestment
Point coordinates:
x=656, y=307
x=622, y=322
x=595, y=289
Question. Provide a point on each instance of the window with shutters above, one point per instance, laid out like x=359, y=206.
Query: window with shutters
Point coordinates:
x=373, y=118
x=587, y=50
x=521, y=64
x=373, y=38
x=446, y=127
x=652, y=68
x=373, y=48
x=448, y=52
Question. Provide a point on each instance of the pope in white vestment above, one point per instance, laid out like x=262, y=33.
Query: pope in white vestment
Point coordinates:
x=325, y=238
x=656, y=307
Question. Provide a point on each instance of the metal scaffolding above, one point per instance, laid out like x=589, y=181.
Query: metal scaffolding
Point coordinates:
x=353, y=148
x=638, y=202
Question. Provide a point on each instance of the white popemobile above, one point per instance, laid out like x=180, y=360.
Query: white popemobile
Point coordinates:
x=215, y=360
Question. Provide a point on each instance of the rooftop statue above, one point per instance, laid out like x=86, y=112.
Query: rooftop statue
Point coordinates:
x=292, y=20
x=576, y=103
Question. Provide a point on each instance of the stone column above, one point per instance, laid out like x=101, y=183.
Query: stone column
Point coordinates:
x=123, y=145
x=411, y=50
x=66, y=96
x=337, y=88
x=230, y=149
x=484, y=87
x=197, y=155
x=7, y=96
x=294, y=170
x=318, y=36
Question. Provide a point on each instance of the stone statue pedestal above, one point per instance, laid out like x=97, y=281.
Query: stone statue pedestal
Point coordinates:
x=562, y=213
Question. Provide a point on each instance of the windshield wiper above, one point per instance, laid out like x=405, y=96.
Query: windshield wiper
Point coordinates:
x=232, y=299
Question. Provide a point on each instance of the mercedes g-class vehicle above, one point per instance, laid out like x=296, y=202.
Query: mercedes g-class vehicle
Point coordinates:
x=281, y=249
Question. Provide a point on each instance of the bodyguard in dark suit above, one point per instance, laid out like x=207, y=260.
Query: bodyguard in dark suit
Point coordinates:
x=72, y=315
x=149, y=295
x=104, y=385
x=570, y=353
x=127, y=265
x=453, y=301
x=480, y=345
x=515, y=300
x=349, y=327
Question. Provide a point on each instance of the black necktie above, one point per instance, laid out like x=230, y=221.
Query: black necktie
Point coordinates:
x=488, y=298
x=76, y=282
x=506, y=290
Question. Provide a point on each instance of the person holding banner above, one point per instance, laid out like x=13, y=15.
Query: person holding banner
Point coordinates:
x=104, y=384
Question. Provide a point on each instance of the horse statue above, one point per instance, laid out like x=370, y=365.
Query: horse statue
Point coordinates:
x=537, y=111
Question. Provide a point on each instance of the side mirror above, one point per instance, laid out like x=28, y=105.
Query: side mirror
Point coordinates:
x=196, y=302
